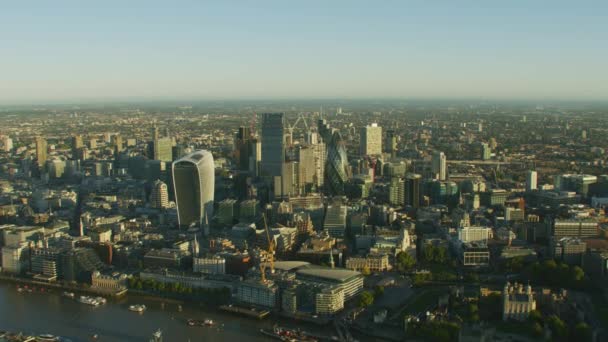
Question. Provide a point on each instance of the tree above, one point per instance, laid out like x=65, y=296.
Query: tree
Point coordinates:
x=558, y=327
x=366, y=271
x=405, y=262
x=378, y=291
x=366, y=299
x=582, y=332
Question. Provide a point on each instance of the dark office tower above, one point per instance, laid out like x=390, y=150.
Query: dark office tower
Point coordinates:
x=77, y=144
x=336, y=166
x=412, y=189
x=324, y=130
x=273, y=144
x=41, y=150
x=194, y=185
x=243, y=148
x=117, y=142
x=390, y=142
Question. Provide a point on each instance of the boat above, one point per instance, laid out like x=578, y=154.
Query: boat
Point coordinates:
x=69, y=294
x=137, y=308
x=88, y=300
x=20, y=289
x=47, y=338
x=101, y=300
x=288, y=335
x=179, y=308
x=200, y=323
x=157, y=336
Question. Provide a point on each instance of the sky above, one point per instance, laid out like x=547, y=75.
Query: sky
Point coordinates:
x=111, y=50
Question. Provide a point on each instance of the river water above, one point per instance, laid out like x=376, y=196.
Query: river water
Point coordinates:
x=52, y=313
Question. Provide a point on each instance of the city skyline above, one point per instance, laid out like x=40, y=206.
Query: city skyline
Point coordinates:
x=113, y=52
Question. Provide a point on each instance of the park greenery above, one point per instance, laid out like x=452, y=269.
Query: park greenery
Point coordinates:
x=404, y=262
x=366, y=299
x=435, y=331
x=214, y=296
x=555, y=274
x=434, y=254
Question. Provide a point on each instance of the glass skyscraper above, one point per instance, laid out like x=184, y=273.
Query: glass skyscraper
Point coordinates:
x=273, y=144
x=336, y=167
x=194, y=184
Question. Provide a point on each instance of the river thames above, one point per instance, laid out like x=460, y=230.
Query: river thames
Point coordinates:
x=50, y=312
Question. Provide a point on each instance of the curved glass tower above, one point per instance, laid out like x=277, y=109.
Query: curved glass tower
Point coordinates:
x=194, y=184
x=336, y=166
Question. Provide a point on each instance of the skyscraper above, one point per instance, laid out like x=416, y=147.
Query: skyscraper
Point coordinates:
x=243, y=148
x=194, y=184
x=77, y=144
x=412, y=189
x=371, y=140
x=390, y=142
x=163, y=149
x=486, y=152
x=273, y=144
x=117, y=142
x=159, y=196
x=41, y=150
x=336, y=166
x=439, y=166
x=531, y=180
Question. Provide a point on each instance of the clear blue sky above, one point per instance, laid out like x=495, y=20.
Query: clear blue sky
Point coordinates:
x=82, y=50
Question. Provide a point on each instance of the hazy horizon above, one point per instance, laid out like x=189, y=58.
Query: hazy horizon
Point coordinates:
x=70, y=52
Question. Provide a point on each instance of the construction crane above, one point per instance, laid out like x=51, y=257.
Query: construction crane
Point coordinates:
x=269, y=252
x=290, y=128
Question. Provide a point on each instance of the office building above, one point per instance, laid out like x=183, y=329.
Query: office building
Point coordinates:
x=7, y=144
x=159, y=196
x=41, y=151
x=583, y=228
x=329, y=300
x=397, y=191
x=390, y=142
x=336, y=166
x=335, y=220
x=227, y=211
x=474, y=234
x=486, y=152
x=255, y=292
x=439, y=166
x=351, y=282
x=412, y=189
x=273, y=145
x=568, y=250
x=371, y=140
x=531, y=180
x=372, y=262
x=194, y=184
x=209, y=265
x=162, y=149
x=474, y=254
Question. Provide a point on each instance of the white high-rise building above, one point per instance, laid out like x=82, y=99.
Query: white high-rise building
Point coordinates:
x=194, y=183
x=7, y=144
x=531, y=180
x=474, y=234
x=159, y=196
x=439, y=166
x=371, y=140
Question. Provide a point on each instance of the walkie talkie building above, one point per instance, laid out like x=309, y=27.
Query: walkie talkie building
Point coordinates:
x=194, y=184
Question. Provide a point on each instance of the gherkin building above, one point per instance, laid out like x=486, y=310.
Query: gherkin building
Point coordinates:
x=336, y=166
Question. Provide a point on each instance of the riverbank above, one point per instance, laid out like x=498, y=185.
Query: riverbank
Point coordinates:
x=64, y=287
